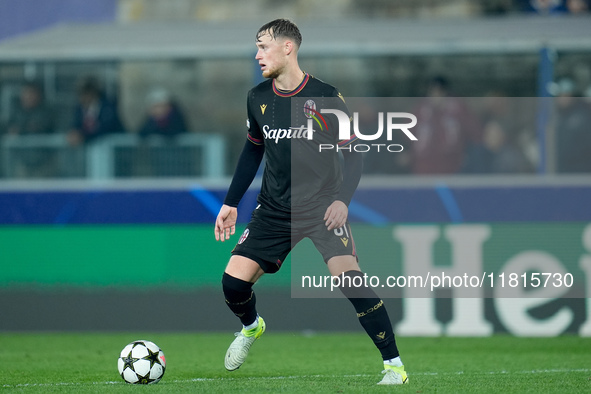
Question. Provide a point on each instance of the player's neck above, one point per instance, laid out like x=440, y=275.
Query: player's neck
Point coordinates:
x=289, y=80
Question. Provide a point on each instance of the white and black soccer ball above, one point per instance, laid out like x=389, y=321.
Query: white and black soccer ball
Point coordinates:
x=141, y=362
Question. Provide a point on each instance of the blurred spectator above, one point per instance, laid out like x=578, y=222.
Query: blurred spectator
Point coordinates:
x=497, y=154
x=164, y=116
x=577, y=6
x=545, y=7
x=445, y=129
x=497, y=7
x=32, y=117
x=164, y=119
x=571, y=129
x=499, y=150
x=94, y=116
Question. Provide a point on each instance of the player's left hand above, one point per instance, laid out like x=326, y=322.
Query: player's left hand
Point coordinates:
x=336, y=215
x=225, y=223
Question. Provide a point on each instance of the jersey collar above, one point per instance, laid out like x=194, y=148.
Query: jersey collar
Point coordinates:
x=283, y=93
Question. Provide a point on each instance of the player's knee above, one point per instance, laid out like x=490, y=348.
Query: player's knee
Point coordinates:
x=244, y=268
x=353, y=285
x=235, y=290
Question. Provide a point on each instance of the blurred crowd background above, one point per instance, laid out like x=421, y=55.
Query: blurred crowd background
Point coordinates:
x=92, y=116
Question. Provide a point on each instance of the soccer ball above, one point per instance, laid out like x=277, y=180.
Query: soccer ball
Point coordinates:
x=141, y=362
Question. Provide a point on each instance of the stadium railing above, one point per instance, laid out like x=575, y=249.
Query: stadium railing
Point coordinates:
x=113, y=156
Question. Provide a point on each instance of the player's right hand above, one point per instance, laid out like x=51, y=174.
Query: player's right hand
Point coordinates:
x=225, y=224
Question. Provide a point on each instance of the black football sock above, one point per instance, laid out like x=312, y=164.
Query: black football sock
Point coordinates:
x=371, y=313
x=240, y=298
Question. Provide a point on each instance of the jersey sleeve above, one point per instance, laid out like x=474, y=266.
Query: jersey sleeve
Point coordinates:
x=254, y=133
x=353, y=163
x=342, y=106
x=246, y=169
x=249, y=160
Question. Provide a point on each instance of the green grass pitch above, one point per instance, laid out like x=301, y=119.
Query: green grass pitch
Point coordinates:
x=296, y=363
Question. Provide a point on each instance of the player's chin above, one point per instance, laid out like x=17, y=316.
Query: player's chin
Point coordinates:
x=270, y=74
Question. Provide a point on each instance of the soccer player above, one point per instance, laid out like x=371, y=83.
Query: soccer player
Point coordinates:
x=315, y=207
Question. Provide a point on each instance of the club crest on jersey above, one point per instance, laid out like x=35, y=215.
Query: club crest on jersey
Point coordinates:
x=309, y=108
x=311, y=113
x=243, y=236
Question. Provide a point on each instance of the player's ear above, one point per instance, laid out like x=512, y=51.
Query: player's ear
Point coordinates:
x=288, y=47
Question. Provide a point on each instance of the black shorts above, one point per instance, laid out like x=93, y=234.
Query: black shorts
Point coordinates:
x=270, y=237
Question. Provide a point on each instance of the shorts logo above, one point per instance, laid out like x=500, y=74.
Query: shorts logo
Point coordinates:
x=263, y=108
x=243, y=236
x=343, y=234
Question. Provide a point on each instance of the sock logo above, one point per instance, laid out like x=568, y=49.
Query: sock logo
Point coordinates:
x=372, y=309
x=381, y=335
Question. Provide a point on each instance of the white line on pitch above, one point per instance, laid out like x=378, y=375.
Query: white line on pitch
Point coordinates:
x=532, y=371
